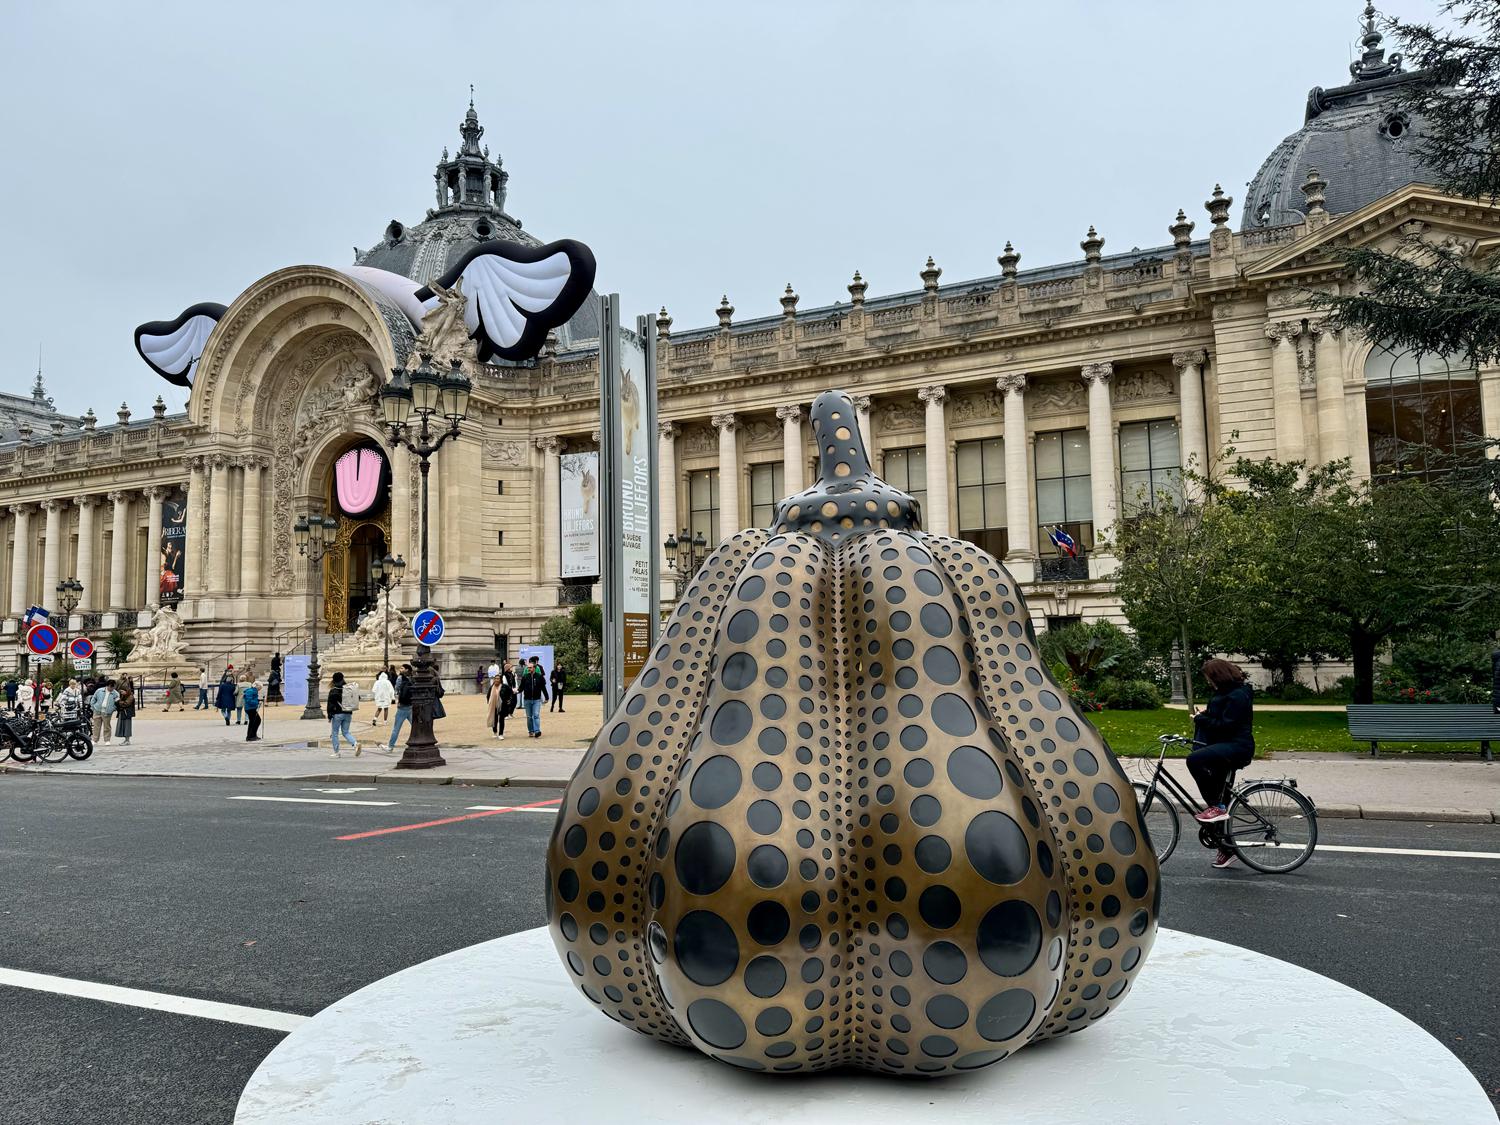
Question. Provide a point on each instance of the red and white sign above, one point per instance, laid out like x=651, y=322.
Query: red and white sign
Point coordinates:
x=81, y=648
x=41, y=639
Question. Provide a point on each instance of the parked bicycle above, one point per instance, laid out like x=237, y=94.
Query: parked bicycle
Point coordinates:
x=51, y=739
x=1272, y=826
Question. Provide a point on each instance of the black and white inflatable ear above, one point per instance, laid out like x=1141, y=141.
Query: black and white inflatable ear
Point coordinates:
x=517, y=294
x=171, y=347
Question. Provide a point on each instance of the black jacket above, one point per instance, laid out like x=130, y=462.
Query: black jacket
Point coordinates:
x=403, y=691
x=335, y=701
x=533, y=684
x=1228, y=717
x=559, y=679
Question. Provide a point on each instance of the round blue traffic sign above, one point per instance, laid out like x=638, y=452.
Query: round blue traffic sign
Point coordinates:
x=41, y=639
x=427, y=626
x=81, y=647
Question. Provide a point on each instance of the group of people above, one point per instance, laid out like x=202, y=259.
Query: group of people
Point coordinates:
x=392, y=689
x=108, y=704
x=529, y=686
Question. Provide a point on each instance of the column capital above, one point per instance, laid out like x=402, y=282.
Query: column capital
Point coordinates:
x=550, y=444
x=155, y=493
x=1283, y=330
x=792, y=413
x=1014, y=383
x=862, y=402
x=87, y=500
x=219, y=461
x=19, y=510
x=596, y=436
x=119, y=496
x=1192, y=357
x=667, y=428
x=724, y=422
x=194, y=463
x=54, y=504
x=937, y=393
x=1097, y=373
x=1318, y=327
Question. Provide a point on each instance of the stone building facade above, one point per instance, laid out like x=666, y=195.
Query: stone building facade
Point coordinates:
x=1009, y=405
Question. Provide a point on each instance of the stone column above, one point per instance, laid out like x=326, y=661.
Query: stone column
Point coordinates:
x=791, y=448
x=219, y=527
x=729, y=476
x=1096, y=377
x=20, y=569
x=192, y=563
x=1017, y=468
x=118, y=548
x=666, y=481
x=1286, y=390
x=862, y=413
x=936, y=517
x=1194, y=423
x=1333, y=422
x=86, y=535
x=52, y=553
x=1357, y=419
x=1489, y=405
x=551, y=447
x=250, y=528
x=153, y=547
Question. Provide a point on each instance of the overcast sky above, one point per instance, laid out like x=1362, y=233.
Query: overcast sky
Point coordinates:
x=159, y=155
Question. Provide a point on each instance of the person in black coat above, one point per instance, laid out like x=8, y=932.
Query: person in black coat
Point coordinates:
x=1227, y=742
x=559, y=682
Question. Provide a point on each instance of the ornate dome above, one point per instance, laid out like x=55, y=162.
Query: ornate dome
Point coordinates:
x=471, y=190
x=1356, y=137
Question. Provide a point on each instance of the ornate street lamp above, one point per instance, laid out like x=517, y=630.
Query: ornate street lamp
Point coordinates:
x=430, y=395
x=685, y=554
x=314, y=540
x=69, y=593
x=387, y=573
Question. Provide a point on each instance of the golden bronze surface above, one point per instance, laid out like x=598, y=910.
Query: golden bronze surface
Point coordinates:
x=844, y=817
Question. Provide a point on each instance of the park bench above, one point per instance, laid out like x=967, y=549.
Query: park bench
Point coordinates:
x=1440, y=722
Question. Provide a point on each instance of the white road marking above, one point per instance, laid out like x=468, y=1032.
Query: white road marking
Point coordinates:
x=552, y=811
x=351, y=789
x=1407, y=851
x=158, y=1001
x=313, y=800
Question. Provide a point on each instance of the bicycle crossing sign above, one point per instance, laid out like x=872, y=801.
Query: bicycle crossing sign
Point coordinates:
x=81, y=648
x=427, y=626
x=41, y=639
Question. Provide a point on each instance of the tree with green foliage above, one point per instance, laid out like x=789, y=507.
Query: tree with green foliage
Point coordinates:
x=589, y=617
x=120, y=644
x=567, y=641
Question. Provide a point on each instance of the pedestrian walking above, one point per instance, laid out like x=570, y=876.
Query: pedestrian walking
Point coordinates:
x=251, y=696
x=490, y=673
x=559, y=681
x=125, y=710
x=224, y=694
x=351, y=705
x=10, y=693
x=102, y=709
x=202, y=704
x=383, y=694
x=533, y=690
x=175, y=693
x=502, y=699
x=239, y=697
x=403, y=705
x=479, y=680
x=338, y=718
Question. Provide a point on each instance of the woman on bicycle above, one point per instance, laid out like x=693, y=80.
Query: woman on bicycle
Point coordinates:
x=1227, y=743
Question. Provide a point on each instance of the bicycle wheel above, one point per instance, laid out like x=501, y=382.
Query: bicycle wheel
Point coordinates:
x=1160, y=819
x=80, y=746
x=1273, y=827
x=51, y=746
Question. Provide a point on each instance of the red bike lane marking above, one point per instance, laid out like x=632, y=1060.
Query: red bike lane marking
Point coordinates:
x=446, y=820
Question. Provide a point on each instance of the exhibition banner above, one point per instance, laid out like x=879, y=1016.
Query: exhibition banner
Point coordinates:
x=580, y=514
x=173, y=546
x=293, y=679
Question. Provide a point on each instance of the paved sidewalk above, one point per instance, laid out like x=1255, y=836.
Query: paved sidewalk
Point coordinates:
x=1425, y=788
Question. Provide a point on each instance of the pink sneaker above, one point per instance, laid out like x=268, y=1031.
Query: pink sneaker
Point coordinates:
x=1212, y=815
x=1225, y=858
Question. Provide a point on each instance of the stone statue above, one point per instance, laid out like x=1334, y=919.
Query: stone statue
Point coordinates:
x=445, y=336
x=370, y=635
x=163, y=640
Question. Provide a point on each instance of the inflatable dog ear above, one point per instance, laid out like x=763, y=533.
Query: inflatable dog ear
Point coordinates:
x=172, y=348
x=517, y=294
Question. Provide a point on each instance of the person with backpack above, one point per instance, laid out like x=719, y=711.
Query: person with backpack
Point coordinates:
x=338, y=717
x=533, y=690
x=403, y=705
x=251, y=697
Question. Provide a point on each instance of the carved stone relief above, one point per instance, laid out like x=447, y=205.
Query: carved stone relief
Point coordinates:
x=1139, y=385
x=901, y=416
x=505, y=454
x=1056, y=396
x=977, y=407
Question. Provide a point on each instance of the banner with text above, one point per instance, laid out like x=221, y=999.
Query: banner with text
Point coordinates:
x=580, y=514
x=173, y=546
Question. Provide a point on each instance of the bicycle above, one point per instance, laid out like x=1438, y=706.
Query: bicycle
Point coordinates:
x=1272, y=826
x=50, y=740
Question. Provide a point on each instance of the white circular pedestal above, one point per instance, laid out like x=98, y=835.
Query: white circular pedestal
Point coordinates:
x=1211, y=1033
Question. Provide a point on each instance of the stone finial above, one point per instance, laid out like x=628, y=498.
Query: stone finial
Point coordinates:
x=663, y=324
x=89, y=421
x=57, y=425
x=726, y=314
x=1092, y=246
x=1181, y=230
x=158, y=409
x=1313, y=190
x=930, y=274
x=24, y=431
x=123, y=414
x=1009, y=260
x=857, y=289
x=1218, y=206
x=789, y=302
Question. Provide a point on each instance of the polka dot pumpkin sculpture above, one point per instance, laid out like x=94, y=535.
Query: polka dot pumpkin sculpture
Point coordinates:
x=844, y=817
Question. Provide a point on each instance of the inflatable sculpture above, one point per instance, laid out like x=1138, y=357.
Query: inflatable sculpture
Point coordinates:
x=843, y=817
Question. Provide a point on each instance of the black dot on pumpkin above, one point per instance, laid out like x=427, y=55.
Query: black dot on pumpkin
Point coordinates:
x=743, y=626
x=1044, y=858
x=1006, y=1015
x=705, y=858
x=1122, y=836
x=974, y=773
x=656, y=940
x=997, y=848
x=656, y=890
x=1138, y=922
x=588, y=801
x=936, y=621
x=1105, y=798
x=918, y=772
x=928, y=582
x=946, y=1010
x=1136, y=881
x=1010, y=938
x=941, y=665
x=575, y=841
x=773, y=1021
x=1068, y=729
x=773, y=707
x=569, y=927
x=575, y=962
x=953, y=716
x=1109, y=937
x=939, y=907
x=926, y=810
x=766, y=776
x=716, y=1024
x=715, y=782
x=933, y=854
x=739, y=672
x=897, y=927
x=978, y=1059
x=1054, y=908
x=1084, y=760
x=939, y=1046
x=763, y=817
x=765, y=977
x=752, y=588
x=731, y=722
x=767, y=866
x=945, y=962
x=706, y=948
x=768, y=922
x=1131, y=959
x=567, y=885
x=900, y=963
x=771, y=741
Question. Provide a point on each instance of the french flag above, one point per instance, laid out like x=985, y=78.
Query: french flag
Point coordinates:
x=1064, y=542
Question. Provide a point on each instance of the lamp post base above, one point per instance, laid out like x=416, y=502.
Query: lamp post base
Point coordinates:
x=421, y=751
x=314, y=708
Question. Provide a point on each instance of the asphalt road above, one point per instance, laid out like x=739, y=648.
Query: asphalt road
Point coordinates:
x=176, y=887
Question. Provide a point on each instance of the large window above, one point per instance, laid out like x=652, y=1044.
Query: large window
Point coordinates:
x=1422, y=410
x=703, y=505
x=1063, y=496
x=981, y=495
x=906, y=469
x=767, y=487
x=1150, y=464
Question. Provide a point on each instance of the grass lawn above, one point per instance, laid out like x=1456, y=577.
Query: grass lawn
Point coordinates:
x=1134, y=733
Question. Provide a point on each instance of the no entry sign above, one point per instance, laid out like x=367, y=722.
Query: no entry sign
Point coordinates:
x=41, y=639
x=81, y=648
x=427, y=627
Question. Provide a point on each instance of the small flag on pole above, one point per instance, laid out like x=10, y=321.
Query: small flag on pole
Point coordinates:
x=1063, y=542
